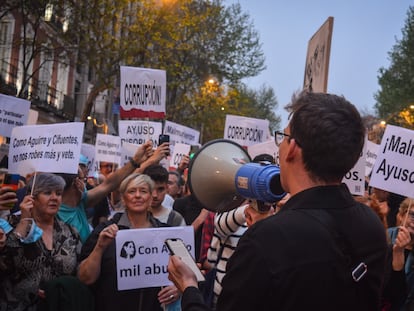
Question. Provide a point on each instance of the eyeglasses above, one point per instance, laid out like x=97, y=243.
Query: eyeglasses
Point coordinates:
x=280, y=136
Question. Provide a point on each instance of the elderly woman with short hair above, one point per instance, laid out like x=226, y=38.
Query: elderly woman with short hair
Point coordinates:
x=40, y=247
x=98, y=267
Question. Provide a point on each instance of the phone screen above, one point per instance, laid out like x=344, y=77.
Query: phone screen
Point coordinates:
x=177, y=247
x=11, y=180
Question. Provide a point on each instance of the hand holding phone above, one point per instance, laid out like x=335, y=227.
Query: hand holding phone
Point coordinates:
x=177, y=247
x=11, y=181
x=164, y=138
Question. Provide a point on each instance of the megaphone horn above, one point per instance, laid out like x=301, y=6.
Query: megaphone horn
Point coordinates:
x=221, y=177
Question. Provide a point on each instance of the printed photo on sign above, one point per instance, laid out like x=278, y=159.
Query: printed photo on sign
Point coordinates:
x=142, y=257
x=394, y=168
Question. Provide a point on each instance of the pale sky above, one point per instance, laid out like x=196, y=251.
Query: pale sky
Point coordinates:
x=364, y=32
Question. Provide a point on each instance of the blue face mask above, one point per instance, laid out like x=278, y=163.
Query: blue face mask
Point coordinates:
x=5, y=226
x=34, y=234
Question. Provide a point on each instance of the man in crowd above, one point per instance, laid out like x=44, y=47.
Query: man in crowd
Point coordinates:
x=323, y=250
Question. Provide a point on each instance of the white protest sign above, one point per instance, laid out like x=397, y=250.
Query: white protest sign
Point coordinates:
x=13, y=112
x=268, y=147
x=372, y=151
x=355, y=178
x=246, y=131
x=128, y=150
x=46, y=148
x=394, y=168
x=108, y=148
x=177, y=155
x=138, y=132
x=88, y=151
x=142, y=93
x=142, y=258
x=181, y=134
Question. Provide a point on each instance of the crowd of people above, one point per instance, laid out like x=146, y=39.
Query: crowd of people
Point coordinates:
x=318, y=248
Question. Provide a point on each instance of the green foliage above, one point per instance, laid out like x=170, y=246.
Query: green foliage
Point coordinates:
x=396, y=82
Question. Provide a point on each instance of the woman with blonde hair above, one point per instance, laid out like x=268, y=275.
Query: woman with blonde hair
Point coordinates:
x=98, y=267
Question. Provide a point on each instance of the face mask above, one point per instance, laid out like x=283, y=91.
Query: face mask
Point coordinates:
x=5, y=226
x=34, y=234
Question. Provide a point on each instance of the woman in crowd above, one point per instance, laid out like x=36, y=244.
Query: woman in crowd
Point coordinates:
x=40, y=247
x=98, y=267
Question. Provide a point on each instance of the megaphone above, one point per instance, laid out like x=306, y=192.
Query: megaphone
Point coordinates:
x=221, y=176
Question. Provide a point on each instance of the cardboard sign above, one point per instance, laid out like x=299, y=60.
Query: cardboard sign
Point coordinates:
x=108, y=148
x=268, y=147
x=142, y=258
x=394, y=168
x=181, y=134
x=246, y=131
x=13, y=112
x=138, y=132
x=177, y=155
x=142, y=93
x=355, y=178
x=128, y=150
x=46, y=148
x=371, y=156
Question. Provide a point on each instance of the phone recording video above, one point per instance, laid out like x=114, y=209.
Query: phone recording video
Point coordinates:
x=164, y=138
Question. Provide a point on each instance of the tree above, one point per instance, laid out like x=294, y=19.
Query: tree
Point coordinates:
x=396, y=82
x=214, y=101
x=190, y=39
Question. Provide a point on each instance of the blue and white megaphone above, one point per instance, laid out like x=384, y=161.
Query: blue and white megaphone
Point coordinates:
x=221, y=176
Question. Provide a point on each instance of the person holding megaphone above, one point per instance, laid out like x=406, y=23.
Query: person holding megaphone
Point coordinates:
x=322, y=250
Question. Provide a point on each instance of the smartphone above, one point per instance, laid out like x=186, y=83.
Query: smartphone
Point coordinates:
x=177, y=247
x=163, y=138
x=11, y=181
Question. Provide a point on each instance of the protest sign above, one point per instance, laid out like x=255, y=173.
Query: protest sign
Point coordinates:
x=128, y=150
x=13, y=112
x=46, y=148
x=268, y=147
x=246, y=131
x=371, y=157
x=181, y=134
x=138, y=132
x=108, y=148
x=142, y=258
x=142, y=93
x=394, y=168
x=317, y=58
x=177, y=155
x=355, y=178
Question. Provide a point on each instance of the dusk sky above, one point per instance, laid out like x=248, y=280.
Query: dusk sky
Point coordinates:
x=363, y=34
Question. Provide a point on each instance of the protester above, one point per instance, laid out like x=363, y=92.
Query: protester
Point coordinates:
x=159, y=176
x=322, y=250
x=175, y=184
x=40, y=247
x=98, y=266
x=76, y=199
x=400, y=290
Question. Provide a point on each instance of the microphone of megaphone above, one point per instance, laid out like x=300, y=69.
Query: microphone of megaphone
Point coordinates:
x=259, y=181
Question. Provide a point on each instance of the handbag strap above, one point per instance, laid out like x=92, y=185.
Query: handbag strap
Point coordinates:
x=357, y=267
